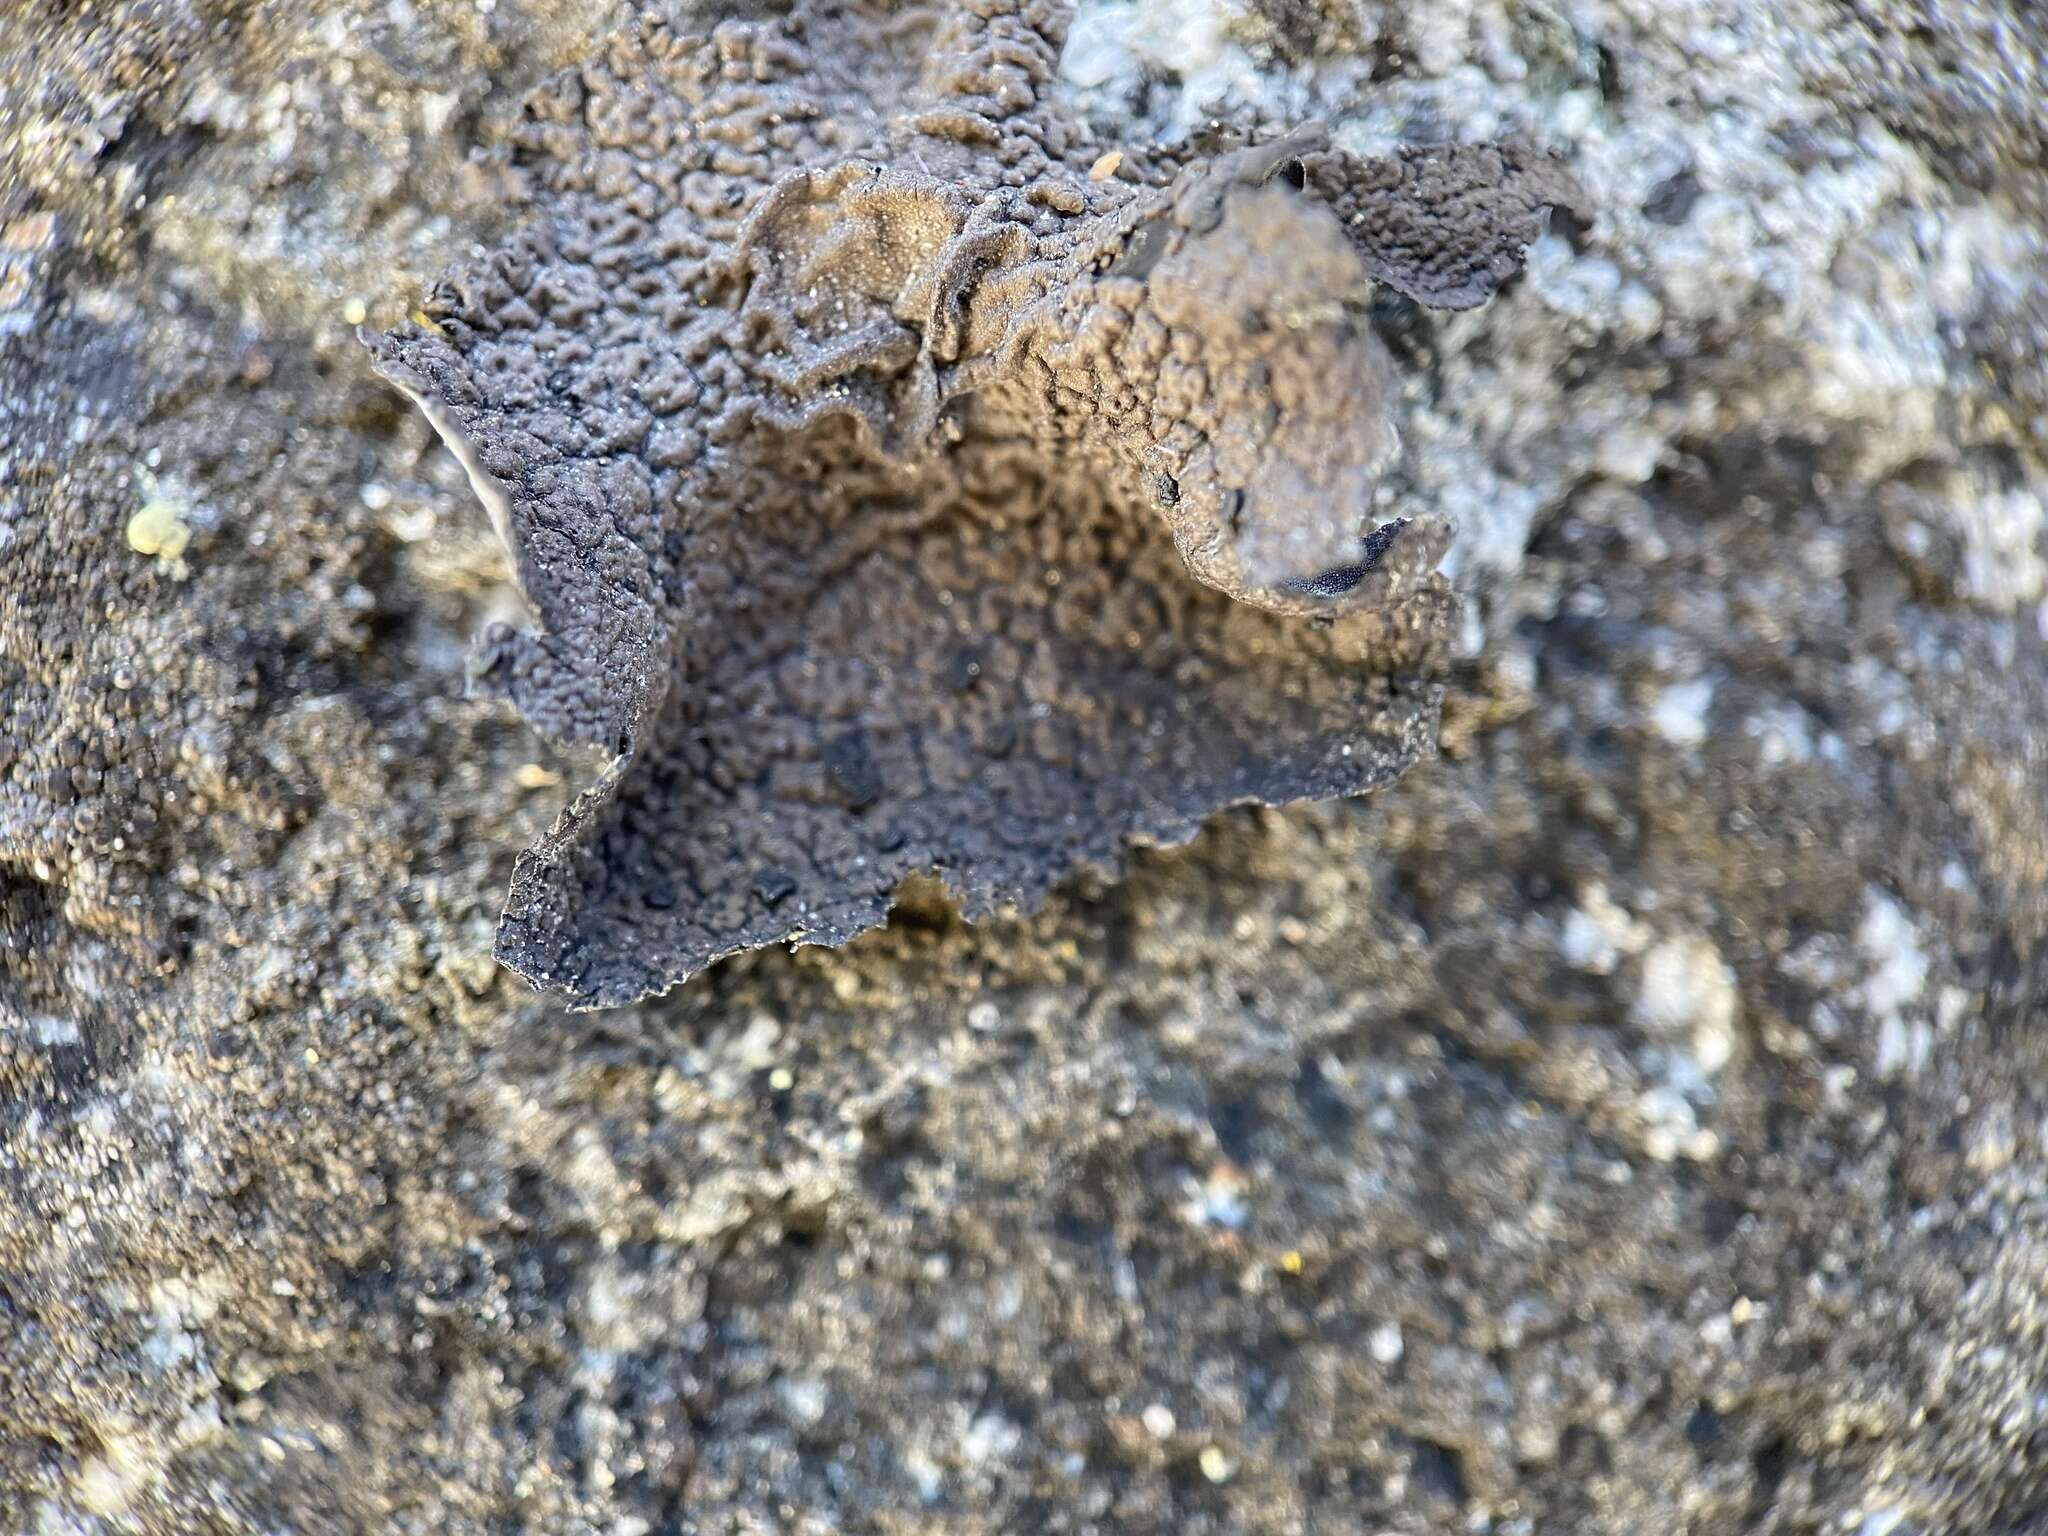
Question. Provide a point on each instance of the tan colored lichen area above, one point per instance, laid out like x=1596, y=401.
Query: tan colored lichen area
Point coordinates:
x=862, y=432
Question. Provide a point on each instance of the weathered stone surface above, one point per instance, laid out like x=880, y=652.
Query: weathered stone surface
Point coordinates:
x=1630, y=1120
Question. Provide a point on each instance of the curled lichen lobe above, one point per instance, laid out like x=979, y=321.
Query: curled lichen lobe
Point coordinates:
x=1257, y=396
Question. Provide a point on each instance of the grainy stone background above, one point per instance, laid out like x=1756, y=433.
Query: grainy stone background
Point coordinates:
x=1633, y=1121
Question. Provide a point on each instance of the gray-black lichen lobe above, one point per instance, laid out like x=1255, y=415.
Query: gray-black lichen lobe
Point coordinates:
x=856, y=422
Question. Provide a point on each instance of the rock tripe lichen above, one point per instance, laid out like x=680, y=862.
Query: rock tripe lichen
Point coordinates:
x=856, y=423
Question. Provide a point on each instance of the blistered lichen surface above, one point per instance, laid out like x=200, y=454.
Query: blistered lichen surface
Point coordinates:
x=856, y=423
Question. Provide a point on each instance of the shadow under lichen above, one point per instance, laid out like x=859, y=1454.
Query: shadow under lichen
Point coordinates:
x=904, y=483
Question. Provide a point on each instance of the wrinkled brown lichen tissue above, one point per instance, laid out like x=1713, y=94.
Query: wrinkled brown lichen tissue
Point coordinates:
x=893, y=496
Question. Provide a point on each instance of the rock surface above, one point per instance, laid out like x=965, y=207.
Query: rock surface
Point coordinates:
x=1632, y=1120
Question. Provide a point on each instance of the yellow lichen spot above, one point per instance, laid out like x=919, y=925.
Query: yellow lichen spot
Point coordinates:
x=1216, y=1465
x=157, y=529
x=163, y=525
x=534, y=776
x=427, y=322
x=1290, y=1261
x=1105, y=168
x=355, y=311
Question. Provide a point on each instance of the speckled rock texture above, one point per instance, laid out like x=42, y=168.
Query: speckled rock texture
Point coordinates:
x=843, y=404
x=1630, y=1120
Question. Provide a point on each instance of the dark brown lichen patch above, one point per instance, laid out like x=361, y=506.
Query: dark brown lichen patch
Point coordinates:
x=855, y=445
x=1445, y=224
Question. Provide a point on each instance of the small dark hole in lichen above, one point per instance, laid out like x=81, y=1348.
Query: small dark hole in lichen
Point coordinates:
x=1168, y=489
x=1294, y=173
